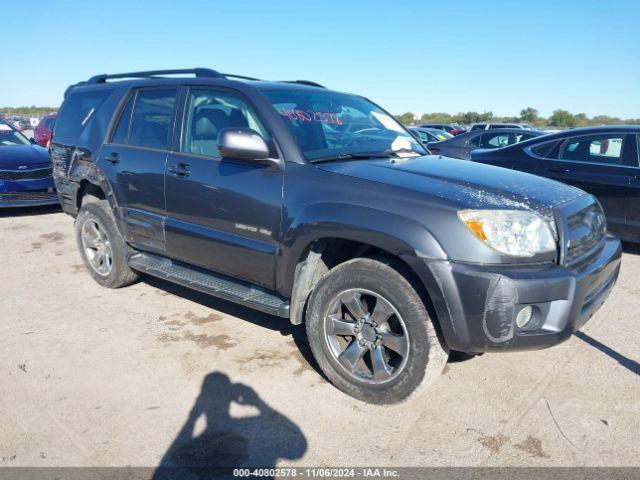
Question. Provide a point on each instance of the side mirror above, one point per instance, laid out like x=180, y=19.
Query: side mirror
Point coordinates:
x=242, y=144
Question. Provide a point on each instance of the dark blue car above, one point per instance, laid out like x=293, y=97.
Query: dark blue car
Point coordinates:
x=25, y=171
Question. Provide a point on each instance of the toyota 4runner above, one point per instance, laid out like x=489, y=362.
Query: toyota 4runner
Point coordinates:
x=319, y=207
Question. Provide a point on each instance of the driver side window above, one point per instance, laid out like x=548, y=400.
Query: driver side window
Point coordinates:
x=207, y=113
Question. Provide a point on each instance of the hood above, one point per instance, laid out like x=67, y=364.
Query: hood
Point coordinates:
x=465, y=184
x=12, y=157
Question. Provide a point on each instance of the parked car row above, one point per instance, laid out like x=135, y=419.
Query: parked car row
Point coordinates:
x=319, y=207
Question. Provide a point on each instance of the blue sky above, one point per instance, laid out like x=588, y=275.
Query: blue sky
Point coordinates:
x=422, y=56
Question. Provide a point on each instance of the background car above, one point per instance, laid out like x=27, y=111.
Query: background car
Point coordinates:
x=25, y=171
x=600, y=160
x=445, y=127
x=461, y=145
x=492, y=126
x=430, y=135
x=44, y=129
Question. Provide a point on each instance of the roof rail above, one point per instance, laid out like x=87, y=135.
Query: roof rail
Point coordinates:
x=198, y=72
x=241, y=77
x=304, y=82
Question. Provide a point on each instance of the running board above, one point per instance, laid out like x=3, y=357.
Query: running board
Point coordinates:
x=211, y=284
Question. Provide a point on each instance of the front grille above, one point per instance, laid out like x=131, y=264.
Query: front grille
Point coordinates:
x=25, y=174
x=584, y=230
x=28, y=196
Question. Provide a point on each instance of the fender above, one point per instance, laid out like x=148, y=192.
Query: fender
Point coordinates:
x=400, y=236
x=82, y=169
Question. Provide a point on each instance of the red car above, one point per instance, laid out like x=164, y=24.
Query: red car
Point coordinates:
x=44, y=129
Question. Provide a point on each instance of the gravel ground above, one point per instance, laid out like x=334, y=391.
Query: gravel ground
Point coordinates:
x=140, y=375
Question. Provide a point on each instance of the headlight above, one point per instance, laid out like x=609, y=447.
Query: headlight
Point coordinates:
x=518, y=233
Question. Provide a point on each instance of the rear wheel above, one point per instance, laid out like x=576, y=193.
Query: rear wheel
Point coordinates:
x=102, y=248
x=370, y=332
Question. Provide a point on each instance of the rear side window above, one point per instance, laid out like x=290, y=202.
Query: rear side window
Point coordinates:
x=49, y=123
x=605, y=149
x=478, y=127
x=121, y=132
x=152, y=118
x=77, y=111
x=495, y=140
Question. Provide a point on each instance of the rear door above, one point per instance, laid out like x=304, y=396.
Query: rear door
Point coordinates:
x=222, y=215
x=633, y=212
x=134, y=161
x=598, y=164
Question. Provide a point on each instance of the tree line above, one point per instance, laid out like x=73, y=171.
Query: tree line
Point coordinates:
x=31, y=111
x=559, y=118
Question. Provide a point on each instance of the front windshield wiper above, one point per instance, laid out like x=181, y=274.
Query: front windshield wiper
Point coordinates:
x=352, y=156
x=403, y=150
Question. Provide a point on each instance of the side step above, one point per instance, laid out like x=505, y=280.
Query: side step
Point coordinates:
x=212, y=284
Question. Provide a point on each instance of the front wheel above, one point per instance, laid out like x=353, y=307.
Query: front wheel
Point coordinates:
x=370, y=332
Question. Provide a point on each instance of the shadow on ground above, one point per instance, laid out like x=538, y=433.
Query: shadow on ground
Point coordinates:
x=626, y=362
x=286, y=329
x=256, y=440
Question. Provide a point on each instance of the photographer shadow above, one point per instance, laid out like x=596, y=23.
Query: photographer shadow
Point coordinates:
x=227, y=442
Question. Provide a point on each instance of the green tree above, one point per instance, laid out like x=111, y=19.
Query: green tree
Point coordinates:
x=562, y=118
x=436, y=118
x=406, y=118
x=529, y=115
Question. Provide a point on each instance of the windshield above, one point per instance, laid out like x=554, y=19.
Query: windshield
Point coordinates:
x=10, y=137
x=329, y=124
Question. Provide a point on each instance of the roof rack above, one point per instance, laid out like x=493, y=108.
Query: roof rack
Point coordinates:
x=157, y=74
x=305, y=82
x=198, y=72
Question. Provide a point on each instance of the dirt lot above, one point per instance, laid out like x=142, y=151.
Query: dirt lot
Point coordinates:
x=97, y=377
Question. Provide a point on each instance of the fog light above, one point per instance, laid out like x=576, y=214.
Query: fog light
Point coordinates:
x=524, y=316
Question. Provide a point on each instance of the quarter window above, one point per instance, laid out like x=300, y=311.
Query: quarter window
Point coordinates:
x=543, y=150
x=605, y=149
x=152, y=118
x=207, y=113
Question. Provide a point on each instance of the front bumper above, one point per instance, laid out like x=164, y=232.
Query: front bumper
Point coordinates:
x=477, y=305
x=28, y=193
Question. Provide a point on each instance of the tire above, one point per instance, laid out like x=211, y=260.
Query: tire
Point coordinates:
x=101, y=236
x=408, y=329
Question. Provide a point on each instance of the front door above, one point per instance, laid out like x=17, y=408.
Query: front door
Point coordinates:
x=597, y=164
x=223, y=215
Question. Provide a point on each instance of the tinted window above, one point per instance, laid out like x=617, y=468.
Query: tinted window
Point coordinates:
x=543, y=150
x=152, y=118
x=594, y=149
x=494, y=140
x=475, y=142
x=478, y=127
x=49, y=123
x=207, y=113
x=121, y=132
x=77, y=111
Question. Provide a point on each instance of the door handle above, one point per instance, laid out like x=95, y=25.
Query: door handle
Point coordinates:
x=180, y=170
x=558, y=170
x=112, y=158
